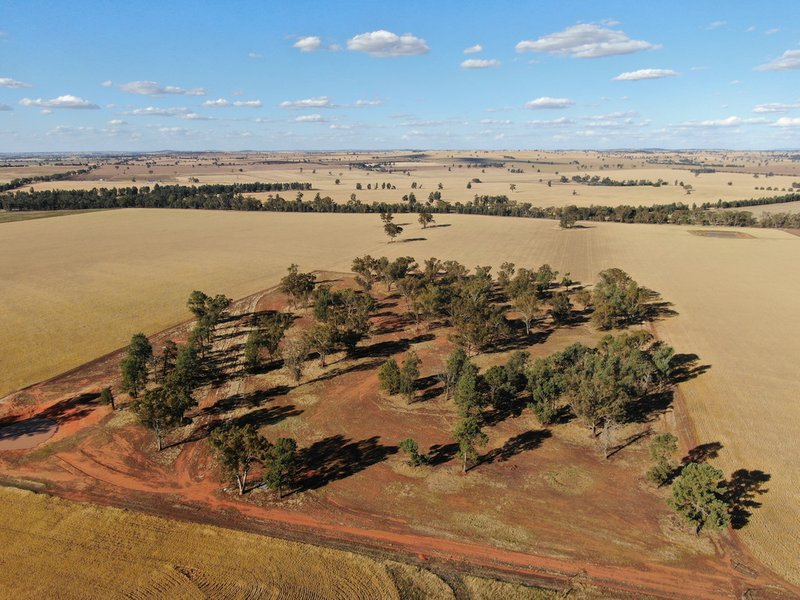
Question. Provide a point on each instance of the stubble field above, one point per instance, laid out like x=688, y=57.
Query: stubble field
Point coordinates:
x=79, y=286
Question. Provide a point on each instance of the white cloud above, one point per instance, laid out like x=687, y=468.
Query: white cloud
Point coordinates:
x=337, y=126
x=248, y=103
x=151, y=88
x=386, y=43
x=732, y=121
x=13, y=83
x=775, y=107
x=365, y=103
x=116, y=122
x=318, y=102
x=107, y=83
x=309, y=119
x=787, y=122
x=548, y=102
x=788, y=60
x=645, y=74
x=218, y=103
x=585, y=41
x=496, y=121
x=473, y=49
x=254, y=55
x=772, y=31
x=480, y=63
x=181, y=112
x=5, y=107
x=716, y=24
x=310, y=43
x=552, y=123
x=66, y=101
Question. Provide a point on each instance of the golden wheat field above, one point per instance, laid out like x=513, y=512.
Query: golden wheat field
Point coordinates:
x=538, y=182
x=78, y=286
x=61, y=549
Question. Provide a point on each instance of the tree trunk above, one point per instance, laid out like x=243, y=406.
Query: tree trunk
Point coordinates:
x=242, y=481
x=465, y=464
x=158, y=438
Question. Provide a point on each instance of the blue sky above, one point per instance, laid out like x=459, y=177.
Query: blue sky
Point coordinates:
x=206, y=75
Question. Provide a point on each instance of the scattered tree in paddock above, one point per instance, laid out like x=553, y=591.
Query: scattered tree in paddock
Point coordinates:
x=662, y=448
x=569, y=216
x=294, y=356
x=560, y=307
x=618, y=300
x=280, y=465
x=346, y=313
x=236, y=449
x=134, y=365
x=408, y=375
x=392, y=230
x=456, y=363
x=425, y=218
x=698, y=496
x=106, y=397
x=166, y=363
x=468, y=395
x=389, y=376
x=163, y=408
x=209, y=311
x=527, y=304
x=469, y=435
x=322, y=337
x=298, y=286
x=411, y=448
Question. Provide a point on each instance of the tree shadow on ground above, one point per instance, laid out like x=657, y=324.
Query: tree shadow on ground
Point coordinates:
x=337, y=457
x=519, y=340
x=516, y=445
x=628, y=441
x=741, y=491
x=388, y=348
x=441, y=453
x=71, y=409
x=702, y=453
x=649, y=407
x=268, y=415
x=430, y=386
x=686, y=367
x=237, y=401
x=339, y=371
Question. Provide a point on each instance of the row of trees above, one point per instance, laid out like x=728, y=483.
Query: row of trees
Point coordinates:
x=232, y=197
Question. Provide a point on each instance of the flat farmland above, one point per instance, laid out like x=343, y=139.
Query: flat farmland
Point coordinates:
x=534, y=175
x=79, y=286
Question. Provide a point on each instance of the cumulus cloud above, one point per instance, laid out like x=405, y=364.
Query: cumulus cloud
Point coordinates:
x=248, y=103
x=716, y=24
x=586, y=40
x=255, y=55
x=309, y=119
x=309, y=43
x=787, y=61
x=496, y=121
x=13, y=83
x=66, y=101
x=732, y=121
x=318, y=102
x=552, y=123
x=775, y=107
x=473, y=49
x=365, y=103
x=151, y=88
x=646, y=74
x=117, y=122
x=480, y=63
x=787, y=122
x=386, y=43
x=107, y=83
x=218, y=103
x=548, y=102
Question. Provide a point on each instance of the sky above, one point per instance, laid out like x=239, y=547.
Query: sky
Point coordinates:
x=303, y=75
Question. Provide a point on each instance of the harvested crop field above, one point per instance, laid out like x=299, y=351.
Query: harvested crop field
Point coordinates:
x=735, y=301
x=60, y=549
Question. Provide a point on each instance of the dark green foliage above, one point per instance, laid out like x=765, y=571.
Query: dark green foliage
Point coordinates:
x=106, y=397
x=134, y=365
x=425, y=218
x=166, y=363
x=280, y=464
x=298, y=286
x=698, y=496
x=469, y=436
x=663, y=446
x=236, y=448
x=467, y=394
x=410, y=447
x=456, y=362
x=408, y=375
x=560, y=307
x=163, y=408
x=618, y=300
x=569, y=216
x=392, y=230
x=496, y=380
x=389, y=376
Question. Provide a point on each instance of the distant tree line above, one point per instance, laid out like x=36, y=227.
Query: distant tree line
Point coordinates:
x=232, y=197
x=20, y=181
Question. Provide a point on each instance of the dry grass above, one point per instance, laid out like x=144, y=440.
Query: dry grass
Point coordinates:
x=12, y=217
x=54, y=548
x=79, y=286
x=488, y=589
